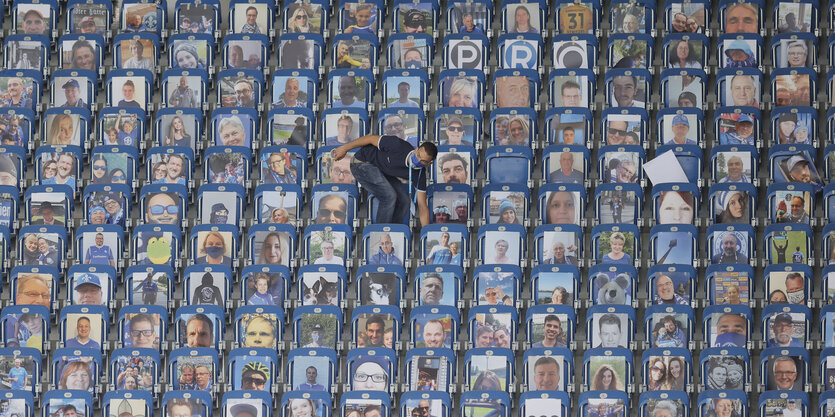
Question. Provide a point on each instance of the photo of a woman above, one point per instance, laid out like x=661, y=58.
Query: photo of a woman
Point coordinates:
x=560, y=296
x=117, y=176
x=272, y=252
x=62, y=130
x=507, y=213
x=518, y=132
x=100, y=171
x=732, y=207
x=657, y=375
x=213, y=249
x=280, y=215
x=461, y=93
x=487, y=381
x=675, y=207
x=562, y=208
x=369, y=374
x=301, y=407
x=778, y=297
x=177, y=134
x=617, y=242
x=299, y=21
x=675, y=375
x=76, y=375
x=159, y=171
x=605, y=379
x=83, y=56
x=683, y=55
x=186, y=56
x=49, y=169
x=522, y=21
x=456, y=255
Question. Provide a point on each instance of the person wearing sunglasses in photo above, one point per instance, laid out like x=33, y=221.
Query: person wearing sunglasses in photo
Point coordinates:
x=618, y=133
x=162, y=208
x=332, y=210
x=300, y=21
x=455, y=133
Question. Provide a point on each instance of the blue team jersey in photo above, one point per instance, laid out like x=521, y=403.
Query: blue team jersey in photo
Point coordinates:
x=99, y=255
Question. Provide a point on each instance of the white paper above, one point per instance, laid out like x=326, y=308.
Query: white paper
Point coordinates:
x=665, y=168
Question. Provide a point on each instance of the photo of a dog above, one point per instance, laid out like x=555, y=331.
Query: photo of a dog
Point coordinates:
x=320, y=289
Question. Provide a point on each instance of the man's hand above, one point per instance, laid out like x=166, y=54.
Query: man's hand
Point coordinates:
x=339, y=153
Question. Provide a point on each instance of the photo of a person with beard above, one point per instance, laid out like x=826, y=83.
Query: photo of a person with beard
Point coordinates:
x=453, y=168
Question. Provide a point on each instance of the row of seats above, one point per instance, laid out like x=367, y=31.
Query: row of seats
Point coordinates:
x=682, y=124
x=379, y=303
x=261, y=17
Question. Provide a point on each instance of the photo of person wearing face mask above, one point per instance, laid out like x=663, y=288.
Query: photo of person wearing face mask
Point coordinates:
x=215, y=248
x=219, y=214
x=413, y=57
x=730, y=330
x=795, y=288
x=318, y=336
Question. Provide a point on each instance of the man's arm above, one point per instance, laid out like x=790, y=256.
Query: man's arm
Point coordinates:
x=423, y=208
x=341, y=151
x=173, y=100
